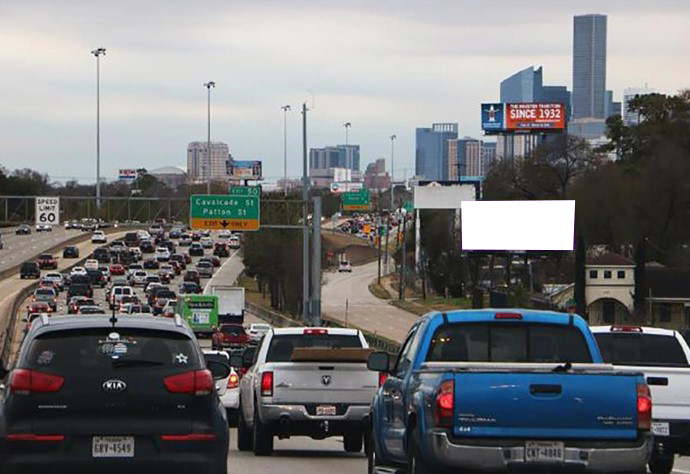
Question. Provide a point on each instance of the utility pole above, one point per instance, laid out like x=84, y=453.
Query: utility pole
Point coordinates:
x=402, y=261
x=378, y=237
x=316, y=265
x=285, y=111
x=208, y=86
x=305, y=212
x=98, y=52
x=392, y=138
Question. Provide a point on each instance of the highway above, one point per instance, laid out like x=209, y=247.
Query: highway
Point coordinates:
x=19, y=248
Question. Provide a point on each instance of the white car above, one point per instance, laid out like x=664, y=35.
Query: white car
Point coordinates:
x=235, y=242
x=133, y=268
x=162, y=254
x=106, y=271
x=143, y=235
x=79, y=271
x=91, y=264
x=257, y=330
x=345, y=266
x=138, y=278
x=56, y=279
x=116, y=294
x=136, y=251
x=185, y=240
x=206, y=242
x=99, y=237
x=228, y=389
x=224, y=234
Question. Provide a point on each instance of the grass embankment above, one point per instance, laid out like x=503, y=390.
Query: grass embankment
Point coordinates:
x=379, y=291
x=421, y=306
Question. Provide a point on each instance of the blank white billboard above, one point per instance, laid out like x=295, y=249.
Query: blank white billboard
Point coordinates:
x=443, y=197
x=518, y=225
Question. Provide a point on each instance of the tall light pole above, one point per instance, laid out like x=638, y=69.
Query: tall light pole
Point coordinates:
x=347, y=126
x=285, y=111
x=208, y=86
x=98, y=52
x=305, y=229
x=392, y=137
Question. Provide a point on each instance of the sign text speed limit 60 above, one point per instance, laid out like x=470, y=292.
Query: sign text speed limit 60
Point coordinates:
x=48, y=210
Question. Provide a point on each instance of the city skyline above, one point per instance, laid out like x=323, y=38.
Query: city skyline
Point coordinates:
x=386, y=71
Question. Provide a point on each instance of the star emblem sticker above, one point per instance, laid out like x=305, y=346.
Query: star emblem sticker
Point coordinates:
x=181, y=358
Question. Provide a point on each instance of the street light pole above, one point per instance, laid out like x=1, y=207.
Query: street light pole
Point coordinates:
x=305, y=229
x=347, y=126
x=98, y=52
x=285, y=111
x=392, y=137
x=208, y=86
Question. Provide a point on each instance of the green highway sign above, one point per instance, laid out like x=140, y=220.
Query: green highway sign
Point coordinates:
x=408, y=206
x=244, y=191
x=356, y=200
x=237, y=211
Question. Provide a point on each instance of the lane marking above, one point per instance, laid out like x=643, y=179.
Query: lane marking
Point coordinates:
x=208, y=283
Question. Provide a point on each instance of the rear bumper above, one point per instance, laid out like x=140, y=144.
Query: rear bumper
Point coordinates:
x=296, y=420
x=579, y=456
x=231, y=399
x=678, y=441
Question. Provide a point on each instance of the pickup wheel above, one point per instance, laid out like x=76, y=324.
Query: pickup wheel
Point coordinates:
x=244, y=434
x=661, y=463
x=372, y=456
x=353, y=442
x=262, y=437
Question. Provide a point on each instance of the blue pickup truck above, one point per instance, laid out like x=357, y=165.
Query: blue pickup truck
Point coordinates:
x=504, y=390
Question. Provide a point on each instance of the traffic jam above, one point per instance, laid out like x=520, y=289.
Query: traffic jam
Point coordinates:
x=139, y=358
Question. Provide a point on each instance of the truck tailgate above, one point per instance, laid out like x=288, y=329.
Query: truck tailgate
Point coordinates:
x=669, y=387
x=323, y=382
x=545, y=405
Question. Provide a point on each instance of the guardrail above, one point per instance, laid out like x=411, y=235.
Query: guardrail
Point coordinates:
x=272, y=317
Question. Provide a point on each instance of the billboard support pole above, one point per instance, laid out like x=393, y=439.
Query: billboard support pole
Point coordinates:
x=417, y=239
x=316, y=265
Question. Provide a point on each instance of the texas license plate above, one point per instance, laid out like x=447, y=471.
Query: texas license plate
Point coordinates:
x=112, y=446
x=325, y=410
x=544, y=451
x=661, y=429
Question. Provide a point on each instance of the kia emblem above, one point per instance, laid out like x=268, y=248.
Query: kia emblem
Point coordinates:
x=114, y=386
x=326, y=379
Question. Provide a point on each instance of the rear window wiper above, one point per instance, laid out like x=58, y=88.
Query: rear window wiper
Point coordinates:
x=134, y=362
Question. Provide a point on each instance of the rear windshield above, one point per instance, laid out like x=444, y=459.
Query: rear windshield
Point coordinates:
x=232, y=329
x=165, y=294
x=95, y=350
x=641, y=349
x=491, y=342
x=45, y=256
x=282, y=345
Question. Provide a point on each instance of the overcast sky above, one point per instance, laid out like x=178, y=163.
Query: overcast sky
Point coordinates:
x=385, y=66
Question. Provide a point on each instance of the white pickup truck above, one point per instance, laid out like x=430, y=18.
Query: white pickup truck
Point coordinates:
x=663, y=356
x=306, y=382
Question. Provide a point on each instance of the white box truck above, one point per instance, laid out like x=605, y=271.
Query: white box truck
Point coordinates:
x=230, y=303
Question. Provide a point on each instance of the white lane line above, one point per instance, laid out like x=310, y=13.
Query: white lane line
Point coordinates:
x=681, y=471
x=208, y=283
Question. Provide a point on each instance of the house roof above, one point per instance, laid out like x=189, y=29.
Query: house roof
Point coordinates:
x=669, y=282
x=610, y=259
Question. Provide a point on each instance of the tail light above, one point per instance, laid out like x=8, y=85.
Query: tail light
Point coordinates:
x=233, y=381
x=382, y=378
x=443, y=413
x=508, y=316
x=267, y=384
x=315, y=332
x=196, y=382
x=644, y=407
x=25, y=382
x=189, y=437
x=34, y=437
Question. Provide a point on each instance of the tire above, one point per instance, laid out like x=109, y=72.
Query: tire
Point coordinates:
x=244, y=434
x=262, y=437
x=661, y=463
x=372, y=455
x=353, y=442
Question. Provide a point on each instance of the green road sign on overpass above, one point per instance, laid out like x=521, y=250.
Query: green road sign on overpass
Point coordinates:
x=356, y=200
x=237, y=211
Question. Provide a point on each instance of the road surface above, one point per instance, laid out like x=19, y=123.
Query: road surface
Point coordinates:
x=346, y=297
x=19, y=248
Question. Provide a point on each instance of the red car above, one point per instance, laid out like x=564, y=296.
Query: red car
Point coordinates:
x=117, y=269
x=229, y=335
x=215, y=260
x=38, y=307
x=47, y=261
x=187, y=258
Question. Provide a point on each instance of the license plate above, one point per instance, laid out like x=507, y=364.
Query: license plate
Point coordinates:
x=325, y=410
x=112, y=446
x=661, y=429
x=544, y=451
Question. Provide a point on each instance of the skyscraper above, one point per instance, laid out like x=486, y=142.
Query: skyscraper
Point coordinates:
x=589, y=66
x=523, y=86
x=197, y=161
x=341, y=156
x=431, y=154
x=631, y=118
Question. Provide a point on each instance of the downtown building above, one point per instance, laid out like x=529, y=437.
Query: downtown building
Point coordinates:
x=197, y=162
x=469, y=158
x=632, y=118
x=432, y=151
x=376, y=177
x=334, y=164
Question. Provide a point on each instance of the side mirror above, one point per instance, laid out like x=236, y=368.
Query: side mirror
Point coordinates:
x=219, y=370
x=379, y=362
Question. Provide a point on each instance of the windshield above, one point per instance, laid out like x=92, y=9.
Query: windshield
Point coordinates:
x=491, y=342
x=282, y=345
x=641, y=349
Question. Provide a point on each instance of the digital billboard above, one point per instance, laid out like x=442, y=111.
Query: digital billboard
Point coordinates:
x=535, y=116
x=493, y=117
x=244, y=169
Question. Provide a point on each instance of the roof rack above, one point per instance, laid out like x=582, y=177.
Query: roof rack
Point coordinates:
x=178, y=320
x=45, y=320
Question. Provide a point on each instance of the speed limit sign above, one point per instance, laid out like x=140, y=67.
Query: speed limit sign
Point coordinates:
x=47, y=210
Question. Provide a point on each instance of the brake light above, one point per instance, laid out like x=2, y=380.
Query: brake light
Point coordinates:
x=626, y=329
x=189, y=437
x=644, y=407
x=443, y=414
x=233, y=381
x=507, y=316
x=25, y=382
x=34, y=437
x=315, y=332
x=267, y=384
x=382, y=378
x=195, y=382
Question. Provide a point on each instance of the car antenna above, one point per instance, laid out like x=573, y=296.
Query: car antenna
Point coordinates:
x=113, y=319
